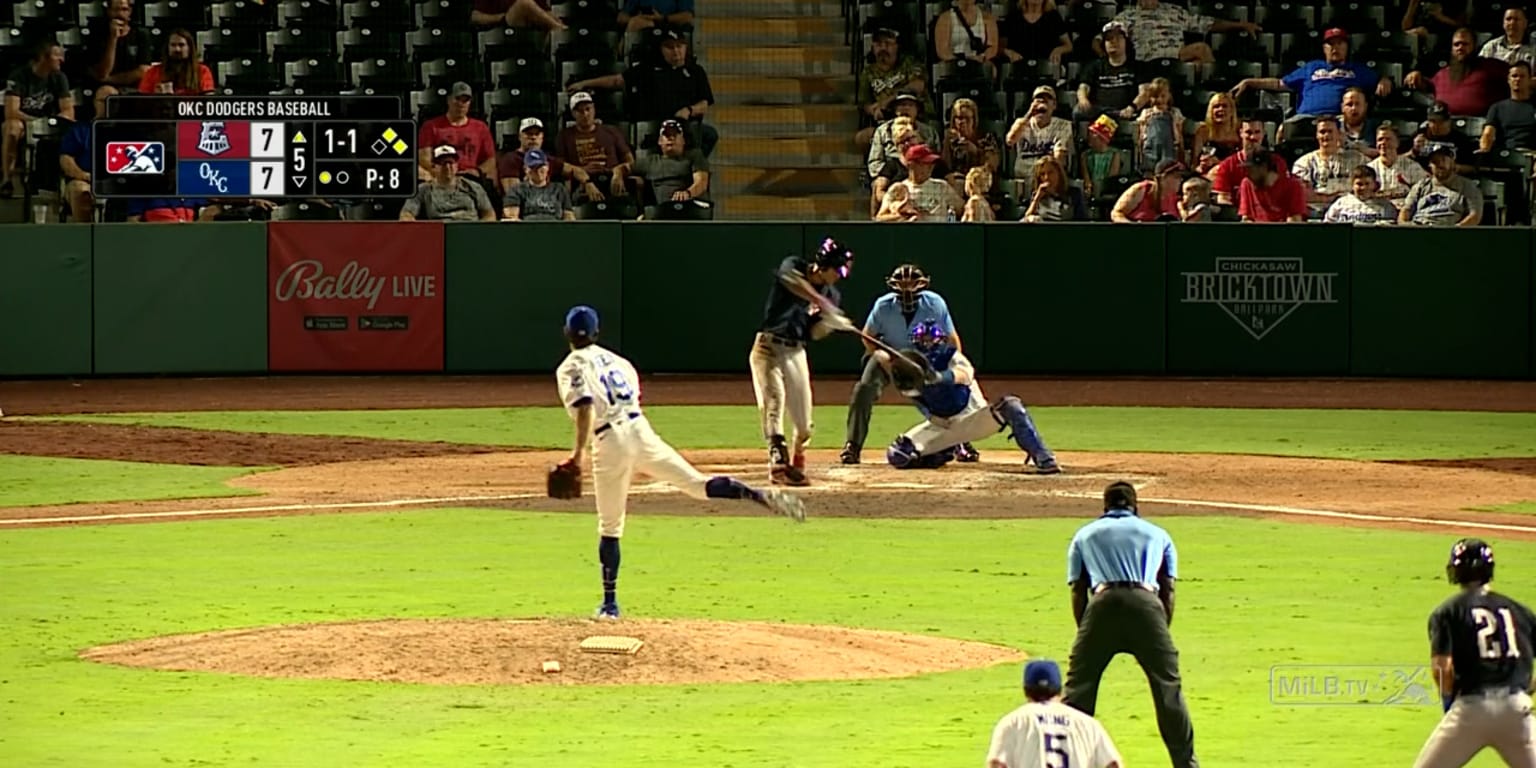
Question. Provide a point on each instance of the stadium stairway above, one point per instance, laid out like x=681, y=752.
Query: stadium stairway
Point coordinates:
x=783, y=88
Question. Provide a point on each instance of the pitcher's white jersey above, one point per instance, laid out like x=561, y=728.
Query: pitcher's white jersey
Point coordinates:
x=1051, y=735
x=603, y=377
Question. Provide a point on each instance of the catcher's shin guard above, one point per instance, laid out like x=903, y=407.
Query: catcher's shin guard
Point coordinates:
x=1011, y=412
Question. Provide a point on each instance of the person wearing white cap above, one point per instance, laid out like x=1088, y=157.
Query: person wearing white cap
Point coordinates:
x=448, y=196
x=1045, y=733
x=674, y=88
x=530, y=136
x=594, y=147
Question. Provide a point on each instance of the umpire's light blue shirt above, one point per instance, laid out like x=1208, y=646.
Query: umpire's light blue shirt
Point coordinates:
x=1121, y=547
x=887, y=323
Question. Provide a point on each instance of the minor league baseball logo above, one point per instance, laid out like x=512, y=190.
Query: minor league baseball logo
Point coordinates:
x=1259, y=292
x=213, y=141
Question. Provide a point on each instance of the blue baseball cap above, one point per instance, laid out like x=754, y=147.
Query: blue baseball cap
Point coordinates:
x=535, y=158
x=1042, y=674
x=581, y=322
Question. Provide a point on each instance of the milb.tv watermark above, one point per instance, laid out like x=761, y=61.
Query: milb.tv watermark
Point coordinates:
x=1359, y=685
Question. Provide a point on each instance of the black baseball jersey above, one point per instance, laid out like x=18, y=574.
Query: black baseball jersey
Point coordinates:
x=786, y=314
x=1489, y=638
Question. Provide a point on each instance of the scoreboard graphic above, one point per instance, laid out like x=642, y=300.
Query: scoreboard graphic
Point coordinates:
x=213, y=156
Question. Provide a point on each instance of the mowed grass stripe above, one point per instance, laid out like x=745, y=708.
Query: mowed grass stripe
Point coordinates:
x=37, y=480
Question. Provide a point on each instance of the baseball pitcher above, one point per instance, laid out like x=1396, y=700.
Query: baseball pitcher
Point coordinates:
x=942, y=383
x=801, y=307
x=891, y=320
x=601, y=392
x=1480, y=650
x=1045, y=733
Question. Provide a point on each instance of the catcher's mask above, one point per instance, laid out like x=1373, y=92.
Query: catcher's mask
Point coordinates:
x=1471, y=562
x=929, y=336
x=834, y=256
x=581, y=324
x=907, y=280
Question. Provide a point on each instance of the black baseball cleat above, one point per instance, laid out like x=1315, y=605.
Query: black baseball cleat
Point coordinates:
x=850, y=454
x=967, y=454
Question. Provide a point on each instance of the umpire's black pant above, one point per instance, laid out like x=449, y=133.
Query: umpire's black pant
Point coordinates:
x=862, y=405
x=1128, y=619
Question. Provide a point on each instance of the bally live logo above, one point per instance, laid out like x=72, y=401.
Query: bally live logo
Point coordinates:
x=1259, y=292
x=307, y=280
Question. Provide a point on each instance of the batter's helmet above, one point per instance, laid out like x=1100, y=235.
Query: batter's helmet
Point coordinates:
x=834, y=255
x=926, y=336
x=1471, y=562
x=581, y=324
x=906, y=281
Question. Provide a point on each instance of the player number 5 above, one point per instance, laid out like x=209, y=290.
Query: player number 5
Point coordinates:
x=1056, y=751
x=1488, y=626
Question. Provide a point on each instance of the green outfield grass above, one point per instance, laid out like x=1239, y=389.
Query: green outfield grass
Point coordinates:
x=1519, y=507
x=1340, y=434
x=33, y=480
x=1254, y=596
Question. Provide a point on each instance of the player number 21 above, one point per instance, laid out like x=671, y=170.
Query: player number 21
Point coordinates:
x=1488, y=626
x=1056, y=751
x=617, y=387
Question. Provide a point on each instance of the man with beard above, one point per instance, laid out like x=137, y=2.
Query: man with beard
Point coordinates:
x=1514, y=45
x=891, y=75
x=1469, y=84
x=182, y=72
x=121, y=52
x=1445, y=199
x=1320, y=84
x=33, y=90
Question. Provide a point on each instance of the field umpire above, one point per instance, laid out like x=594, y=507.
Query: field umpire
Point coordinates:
x=1122, y=570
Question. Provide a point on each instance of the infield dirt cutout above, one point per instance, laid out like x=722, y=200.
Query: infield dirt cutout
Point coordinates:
x=512, y=652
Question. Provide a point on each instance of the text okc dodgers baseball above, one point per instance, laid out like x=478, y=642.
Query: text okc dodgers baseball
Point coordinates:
x=307, y=280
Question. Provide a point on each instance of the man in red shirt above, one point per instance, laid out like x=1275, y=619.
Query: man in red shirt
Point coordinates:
x=471, y=137
x=1266, y=195
x=1469, y=84
x=1229, y=173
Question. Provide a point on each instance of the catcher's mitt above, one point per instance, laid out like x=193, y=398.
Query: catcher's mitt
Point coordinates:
x=565, y=480
x=911, y=371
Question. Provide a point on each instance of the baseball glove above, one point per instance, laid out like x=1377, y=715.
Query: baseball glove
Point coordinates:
x=565, y=480
x=911, y=371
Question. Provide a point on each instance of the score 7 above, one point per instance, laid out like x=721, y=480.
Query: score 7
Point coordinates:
x=267, y=141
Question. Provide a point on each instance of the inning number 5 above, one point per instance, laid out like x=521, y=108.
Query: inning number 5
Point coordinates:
x=617, y=387
x=1488, y=626
x=1056, y=751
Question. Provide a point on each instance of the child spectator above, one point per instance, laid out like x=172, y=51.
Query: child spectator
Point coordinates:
x=1195, y=200
x=977, y=208
x=1363, y=204
x=1160, y=127
x=1100, y=161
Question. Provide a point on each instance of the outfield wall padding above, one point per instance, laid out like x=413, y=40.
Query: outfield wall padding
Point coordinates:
x=45, y=300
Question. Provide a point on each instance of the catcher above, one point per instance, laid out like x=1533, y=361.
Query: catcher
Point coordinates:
x=942, y=383
x=601, y=392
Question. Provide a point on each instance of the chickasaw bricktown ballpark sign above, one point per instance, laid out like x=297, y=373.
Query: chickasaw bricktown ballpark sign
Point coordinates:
x=1259, y=292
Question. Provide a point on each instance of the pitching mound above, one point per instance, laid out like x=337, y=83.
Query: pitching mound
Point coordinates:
x=513, y=652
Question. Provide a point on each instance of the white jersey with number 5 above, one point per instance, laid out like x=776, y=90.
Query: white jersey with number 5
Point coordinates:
x=603, y=377
x=1050, y=735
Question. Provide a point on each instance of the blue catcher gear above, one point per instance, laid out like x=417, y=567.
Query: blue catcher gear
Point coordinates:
x=1012, y=413
x=902, y=454
x=834, y=255
x=933, y=342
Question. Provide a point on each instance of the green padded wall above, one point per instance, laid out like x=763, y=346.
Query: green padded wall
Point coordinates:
x=45, y=300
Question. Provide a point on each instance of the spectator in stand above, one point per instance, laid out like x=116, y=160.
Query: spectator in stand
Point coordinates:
x=1101, y=161
x=121, y=52
x=470, y=137
x=895, y=167
x=968, y=31
x=676, y=173
x=182, y=72
x=1512, y=125
x=644, y=14
x=1268, y=195
x=530, y=135
x=966, y=145
x=1515, y=44
x=977, y=208
x=1445, y=199
x=1229, y=174
x=34, y=90
x=673, y=89
x=1220, y=135
x=1437, y=129
x=1437, y=19
x=181, y=210
x=591, y=146
x=1326, y=172
x=448, y=195
x=1355, y=124
x=890, y=77
x=1158, y=30
x=1320, y=84
x=1159, y=127
x=533, y=14
x=921, y=197
x=76, y=163
x=1112, y=83
x=1469, y=84
x=1363, y=204
x=1395, y=173
x=1152, y=199
x=1039, y=133
x=1054, y=199
x=1033, y=30
x=1195, y=200
x=536, y=199
x=882, y=145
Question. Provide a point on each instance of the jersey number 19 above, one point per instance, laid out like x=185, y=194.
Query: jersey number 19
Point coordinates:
x=1488, y=623
x=1056, y=751
x=617, y=387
